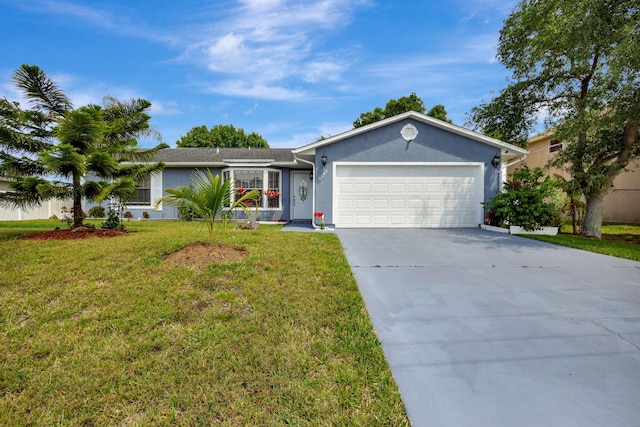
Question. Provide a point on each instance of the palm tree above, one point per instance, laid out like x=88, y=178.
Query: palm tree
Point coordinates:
x=87, y=152
x=208, y=197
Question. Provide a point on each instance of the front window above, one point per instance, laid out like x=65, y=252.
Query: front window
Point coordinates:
x=273, y=191
x=143, y=195
x=247, y=180
x=266, y=182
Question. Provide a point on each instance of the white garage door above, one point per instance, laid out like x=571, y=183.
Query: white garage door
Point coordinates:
x=409, y=196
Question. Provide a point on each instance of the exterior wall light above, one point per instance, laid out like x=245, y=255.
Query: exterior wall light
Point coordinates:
x=496, y=161
x=324, y=160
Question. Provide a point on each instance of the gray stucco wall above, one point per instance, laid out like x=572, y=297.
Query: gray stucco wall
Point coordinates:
x=386, y=145
x=174, y=177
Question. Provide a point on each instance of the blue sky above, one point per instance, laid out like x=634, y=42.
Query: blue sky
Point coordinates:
x=288, y=70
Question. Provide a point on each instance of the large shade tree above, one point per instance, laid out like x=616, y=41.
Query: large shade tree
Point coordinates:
x=54, y=150
x=398, y=106
x=223, y=136
x=577, y=62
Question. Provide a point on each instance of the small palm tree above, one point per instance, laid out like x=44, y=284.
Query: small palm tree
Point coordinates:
x=207, y=196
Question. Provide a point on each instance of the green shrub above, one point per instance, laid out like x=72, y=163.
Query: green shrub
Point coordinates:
x=96, y=212
x=527, y=201
x=113, y=221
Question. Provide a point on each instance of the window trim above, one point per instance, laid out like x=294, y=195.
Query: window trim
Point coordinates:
x=155, y=193
x=138, y=188
x=554, y=146
x=265, y=184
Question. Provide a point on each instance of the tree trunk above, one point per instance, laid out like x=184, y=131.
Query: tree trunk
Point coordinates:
x=77, y=203
x=592, y=226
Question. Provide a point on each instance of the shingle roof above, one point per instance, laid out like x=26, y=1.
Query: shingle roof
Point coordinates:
x=222, y=156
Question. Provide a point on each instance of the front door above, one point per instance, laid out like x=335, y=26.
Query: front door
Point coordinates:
x=301, y=196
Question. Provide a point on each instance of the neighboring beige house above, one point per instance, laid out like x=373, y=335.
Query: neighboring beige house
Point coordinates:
x=620, y=205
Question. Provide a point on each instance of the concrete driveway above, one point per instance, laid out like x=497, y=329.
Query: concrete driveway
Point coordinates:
x=486, y=329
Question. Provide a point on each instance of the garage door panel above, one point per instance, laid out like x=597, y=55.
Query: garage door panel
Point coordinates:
x=408, y=196
x=380, y=220
x=362, y=204
x=397, y=188
x=380, y=187
x=345, y=219
x=363, y=188
x=398, y=219
x=432, y=188
x=346, y=188
x=345, y=204
x=397, y=203
x=414, y=203
x=454, y=204
x=363, y=220
x=431, y=209
x=380, y=203
x=415, y=188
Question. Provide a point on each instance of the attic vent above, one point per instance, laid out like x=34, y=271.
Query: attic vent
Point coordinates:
x=409, y=132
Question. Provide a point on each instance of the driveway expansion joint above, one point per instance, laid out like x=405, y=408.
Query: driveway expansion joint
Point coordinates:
x=609, y=330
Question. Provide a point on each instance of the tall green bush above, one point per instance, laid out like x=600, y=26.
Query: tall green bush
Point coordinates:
x=527, y=200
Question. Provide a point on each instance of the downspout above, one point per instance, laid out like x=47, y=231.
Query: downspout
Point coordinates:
x=313, y=187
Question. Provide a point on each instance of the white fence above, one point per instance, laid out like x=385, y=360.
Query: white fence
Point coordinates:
x=44, y=211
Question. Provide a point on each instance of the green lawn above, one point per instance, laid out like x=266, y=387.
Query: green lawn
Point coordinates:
x=620, y=240
x=103, y=332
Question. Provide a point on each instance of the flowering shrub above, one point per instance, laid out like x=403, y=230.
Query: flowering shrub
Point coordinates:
x=272, y=194
x=319, y=219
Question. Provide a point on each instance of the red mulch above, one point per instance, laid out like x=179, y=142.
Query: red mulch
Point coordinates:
x=67, y=234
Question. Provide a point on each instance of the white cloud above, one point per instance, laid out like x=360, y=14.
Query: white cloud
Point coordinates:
x=296, y=140
x=118, y=21
x=169, y=108
x=252, y=109
x=323, y=70
x=309, y=136
x=227, y=54
x=264, y=42
x=9, y=90
x=88, y=14
x=255, y=90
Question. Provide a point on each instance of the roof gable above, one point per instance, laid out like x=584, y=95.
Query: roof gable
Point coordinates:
x=508, y=151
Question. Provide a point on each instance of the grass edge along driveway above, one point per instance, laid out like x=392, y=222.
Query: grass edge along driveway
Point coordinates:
x=619, y=240
x=103, y=332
